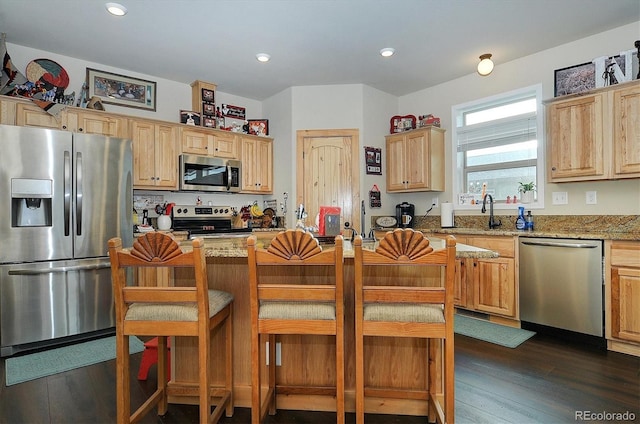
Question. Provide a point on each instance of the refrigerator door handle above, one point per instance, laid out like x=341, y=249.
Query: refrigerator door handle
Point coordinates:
x=67, y=192
x=60, y=269
x=79, y=194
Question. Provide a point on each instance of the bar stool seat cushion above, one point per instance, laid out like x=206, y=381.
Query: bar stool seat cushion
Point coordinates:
x=177, y=311
x=297, y=310
x=403, y=312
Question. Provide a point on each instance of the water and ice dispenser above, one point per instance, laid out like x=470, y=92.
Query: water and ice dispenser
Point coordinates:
x=31, y=202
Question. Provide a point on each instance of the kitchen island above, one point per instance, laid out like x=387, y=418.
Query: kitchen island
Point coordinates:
x=399, y=362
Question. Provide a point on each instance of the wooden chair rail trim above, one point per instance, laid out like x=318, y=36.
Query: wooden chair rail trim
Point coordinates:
x=305, y=390
x=126, y=259
x=264, y=258
x=435, y=258
x=404, y=329
x=160, y=294
x=404, y=294
x=396, y=393
x=168, y=328
x=287, y=292
x=298, y=326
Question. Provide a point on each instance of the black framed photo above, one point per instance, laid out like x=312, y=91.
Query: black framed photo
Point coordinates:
x=258, y=126
x=579, y=78
x=208, y=122
x=231, y=111
x=189, y=117
x=208, y=109
x=208, y=95
x=373, y=158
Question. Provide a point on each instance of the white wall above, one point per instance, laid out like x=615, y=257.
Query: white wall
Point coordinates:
x=172, y=96
x=620, y=197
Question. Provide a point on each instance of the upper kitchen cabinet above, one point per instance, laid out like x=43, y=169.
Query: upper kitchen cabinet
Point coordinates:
x=257, y=164
x=207, y=142
x=94, y=122
x=155, y=154
x=626, y=132
x=595, y=136
x=415, y=160
x=28, y=114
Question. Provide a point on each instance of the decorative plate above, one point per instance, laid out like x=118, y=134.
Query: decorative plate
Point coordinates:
x=386, y=221
x=48, y=72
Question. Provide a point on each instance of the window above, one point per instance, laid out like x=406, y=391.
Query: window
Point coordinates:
x=498, y=145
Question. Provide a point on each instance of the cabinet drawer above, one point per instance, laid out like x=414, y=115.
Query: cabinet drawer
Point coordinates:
x=505, y=246
x=625, y=254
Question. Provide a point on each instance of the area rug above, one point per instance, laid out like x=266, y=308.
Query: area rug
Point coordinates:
x=48, y=362
x=490, y=332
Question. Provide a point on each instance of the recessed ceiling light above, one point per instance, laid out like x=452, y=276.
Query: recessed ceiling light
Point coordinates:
x=116, y=9
x=263, y=57
x=387, y=51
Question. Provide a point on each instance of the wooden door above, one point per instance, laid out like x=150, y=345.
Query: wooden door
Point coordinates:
x=625, y=303
x=328, y=173
x=495, y=291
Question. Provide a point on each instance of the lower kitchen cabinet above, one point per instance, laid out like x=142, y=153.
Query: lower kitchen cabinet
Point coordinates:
x=489, y=285
x=622, y=296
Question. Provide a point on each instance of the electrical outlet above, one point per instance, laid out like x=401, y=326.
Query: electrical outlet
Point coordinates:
x=435, y=202
x=560, y=198
x=591, y=198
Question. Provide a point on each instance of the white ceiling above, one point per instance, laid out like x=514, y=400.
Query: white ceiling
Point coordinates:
x=311, y=42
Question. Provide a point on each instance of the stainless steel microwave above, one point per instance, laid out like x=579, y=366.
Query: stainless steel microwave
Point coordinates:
x=204, y=173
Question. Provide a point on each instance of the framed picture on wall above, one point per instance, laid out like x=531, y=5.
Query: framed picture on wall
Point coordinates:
x=121, y=90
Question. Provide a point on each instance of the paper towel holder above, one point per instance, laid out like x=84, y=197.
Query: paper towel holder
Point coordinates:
x=447, y=217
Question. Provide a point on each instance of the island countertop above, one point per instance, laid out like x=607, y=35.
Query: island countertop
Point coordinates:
x=236, y=247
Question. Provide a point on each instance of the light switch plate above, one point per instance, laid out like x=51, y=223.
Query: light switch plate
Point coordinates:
x=560, y=198
x=591, y=198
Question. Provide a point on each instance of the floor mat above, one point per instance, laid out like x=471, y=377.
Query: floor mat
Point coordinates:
x=490, y=332
x=52, y=361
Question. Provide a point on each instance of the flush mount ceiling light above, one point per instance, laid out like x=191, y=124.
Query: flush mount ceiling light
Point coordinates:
x=486, y=65
x=263, y=57
x=387, y=52
x=116, y=9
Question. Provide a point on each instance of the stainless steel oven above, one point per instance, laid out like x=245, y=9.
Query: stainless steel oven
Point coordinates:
x=204, y=173
x=206, y=221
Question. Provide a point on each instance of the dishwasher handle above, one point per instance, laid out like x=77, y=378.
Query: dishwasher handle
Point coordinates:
x=560, y=244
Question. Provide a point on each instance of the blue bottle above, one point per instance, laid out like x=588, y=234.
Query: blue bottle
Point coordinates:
x=520, y=221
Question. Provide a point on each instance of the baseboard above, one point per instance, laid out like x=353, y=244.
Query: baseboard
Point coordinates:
x=583, y=340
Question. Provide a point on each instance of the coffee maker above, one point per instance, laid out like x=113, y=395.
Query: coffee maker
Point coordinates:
x=405, y=214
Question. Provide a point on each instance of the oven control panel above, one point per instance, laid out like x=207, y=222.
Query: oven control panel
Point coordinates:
x=194, y=211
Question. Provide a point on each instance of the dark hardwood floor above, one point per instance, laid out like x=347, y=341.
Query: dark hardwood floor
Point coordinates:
x=544, y=380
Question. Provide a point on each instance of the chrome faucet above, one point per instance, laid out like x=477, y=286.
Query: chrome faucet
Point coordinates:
x=492, y=221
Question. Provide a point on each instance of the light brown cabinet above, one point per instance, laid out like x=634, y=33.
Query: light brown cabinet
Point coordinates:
x=622, y=296
x=71, y=119
x=218, y=143
x=595, y=136
x=415, y=160
x=489, y=285
x=257, y=164
x=155, y=154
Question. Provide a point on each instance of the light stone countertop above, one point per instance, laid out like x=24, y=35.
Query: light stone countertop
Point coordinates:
x=237, y=248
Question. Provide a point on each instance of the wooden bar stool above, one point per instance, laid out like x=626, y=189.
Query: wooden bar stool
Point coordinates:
x=400, y=309
x=193, y=311
x=287, y=297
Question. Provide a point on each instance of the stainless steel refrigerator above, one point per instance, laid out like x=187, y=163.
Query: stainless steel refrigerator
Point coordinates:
x=62, y=197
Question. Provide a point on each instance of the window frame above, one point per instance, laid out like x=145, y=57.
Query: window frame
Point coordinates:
x=458, y=111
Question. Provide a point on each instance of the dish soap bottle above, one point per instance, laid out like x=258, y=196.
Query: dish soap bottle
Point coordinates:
x=528, y=222
x=520, y=221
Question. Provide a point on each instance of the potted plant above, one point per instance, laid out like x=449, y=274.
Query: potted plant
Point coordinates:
x=526, y=191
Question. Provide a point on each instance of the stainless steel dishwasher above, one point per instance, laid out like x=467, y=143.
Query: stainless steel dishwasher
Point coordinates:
x=561, y=284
